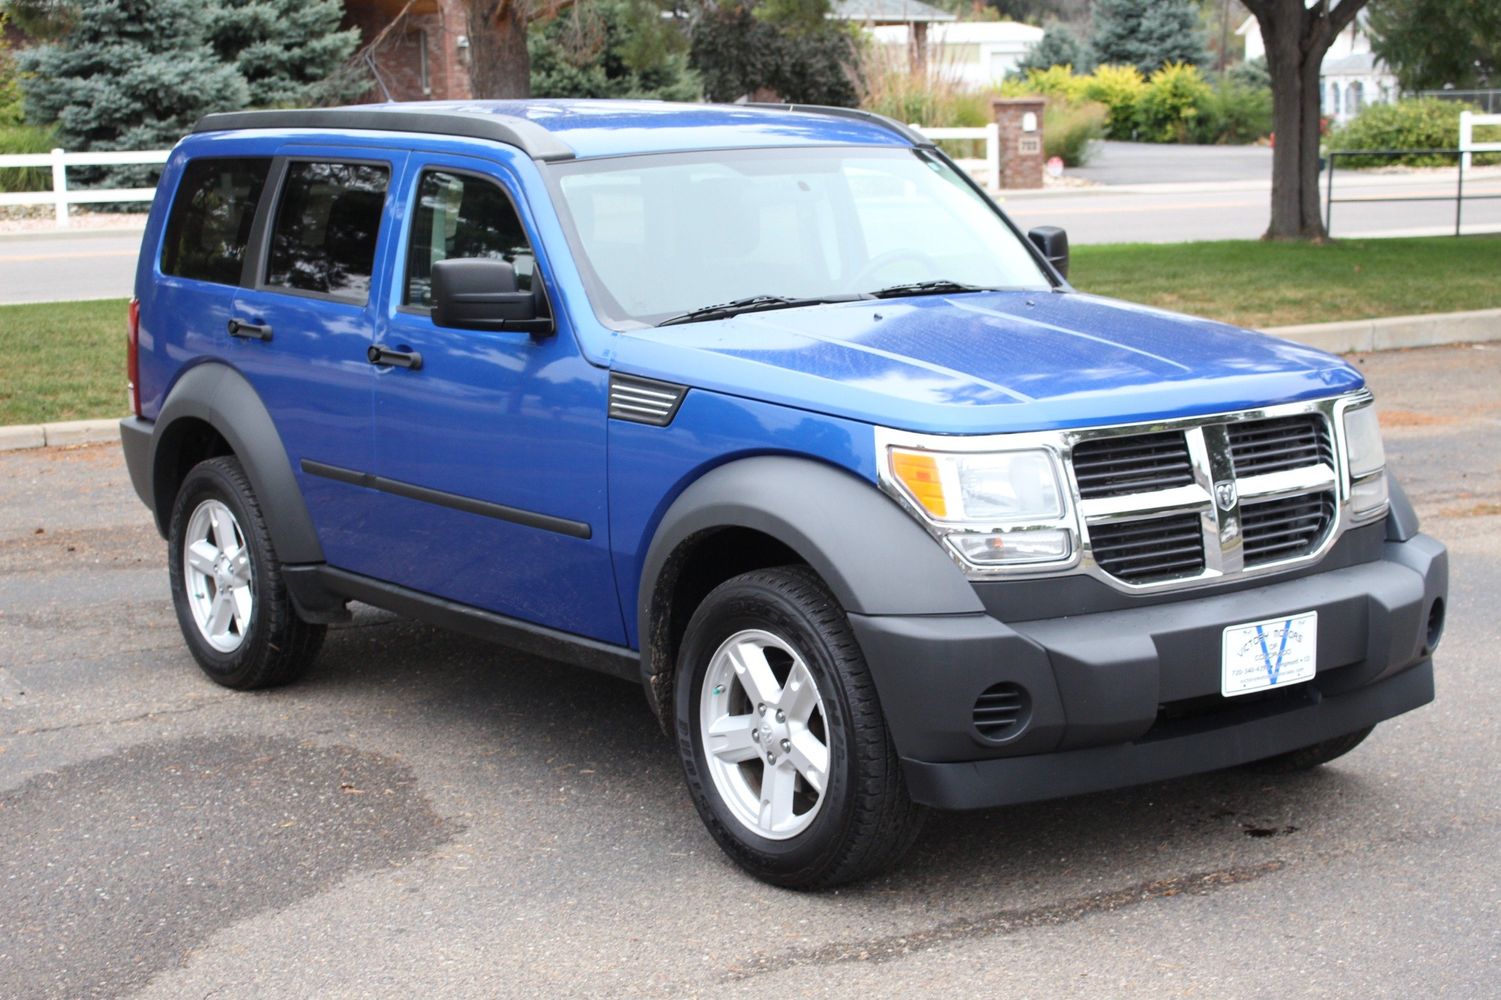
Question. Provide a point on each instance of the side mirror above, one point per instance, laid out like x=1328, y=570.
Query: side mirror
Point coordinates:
x=479, y=293
x=1053, y=243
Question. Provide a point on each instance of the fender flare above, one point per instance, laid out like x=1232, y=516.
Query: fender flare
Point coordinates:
x=875, y=558
x=221, y=397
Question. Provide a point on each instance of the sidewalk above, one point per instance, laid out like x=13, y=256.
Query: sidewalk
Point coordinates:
x=1351, y=337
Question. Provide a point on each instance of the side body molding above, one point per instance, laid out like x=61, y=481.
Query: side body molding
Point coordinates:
x=221, y=397
x=874, y=557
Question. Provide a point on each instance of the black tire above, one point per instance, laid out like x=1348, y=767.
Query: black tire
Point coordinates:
x=1311, y=757
x=275, y=645
x=865, y=821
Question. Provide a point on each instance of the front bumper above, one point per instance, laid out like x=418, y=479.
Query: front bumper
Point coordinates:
x=1123, y=697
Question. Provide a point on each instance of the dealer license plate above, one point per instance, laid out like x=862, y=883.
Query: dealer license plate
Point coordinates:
x=1272, y=653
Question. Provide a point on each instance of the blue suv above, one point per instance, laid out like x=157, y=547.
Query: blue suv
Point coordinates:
x=773, y=411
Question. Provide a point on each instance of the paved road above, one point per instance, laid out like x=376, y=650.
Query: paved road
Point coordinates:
x=37, y=268
x=1162, y=163
x=428, y=815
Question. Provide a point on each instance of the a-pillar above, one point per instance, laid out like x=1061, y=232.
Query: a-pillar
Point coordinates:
x=1022, y=158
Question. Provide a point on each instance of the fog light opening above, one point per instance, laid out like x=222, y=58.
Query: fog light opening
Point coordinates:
x=1002, y=711
x=1435, y=625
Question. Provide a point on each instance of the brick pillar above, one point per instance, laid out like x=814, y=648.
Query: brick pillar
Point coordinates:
x=1022, y=158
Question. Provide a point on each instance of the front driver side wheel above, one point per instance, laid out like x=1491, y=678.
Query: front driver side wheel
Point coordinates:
x=781, y=735
x=227, y=588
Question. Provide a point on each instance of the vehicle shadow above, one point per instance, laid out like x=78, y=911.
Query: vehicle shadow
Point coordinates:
x=476, y=700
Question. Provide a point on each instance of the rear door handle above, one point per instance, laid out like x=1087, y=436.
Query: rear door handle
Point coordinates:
x=249, y=331
x=380, y=355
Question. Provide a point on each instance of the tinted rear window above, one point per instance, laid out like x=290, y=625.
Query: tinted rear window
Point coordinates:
x=211, y=218
x=326, y=227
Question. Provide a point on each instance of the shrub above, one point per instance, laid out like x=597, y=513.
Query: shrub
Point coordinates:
x=1234, y=113
x=18, y=139
x=1068, y=130
x=1056, y=82
x=1168, y=111
x=613, y=48
x=1420, y=123
x=1118, y=88
x=1058, y=46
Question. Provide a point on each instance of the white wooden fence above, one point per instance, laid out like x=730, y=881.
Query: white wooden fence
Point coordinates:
x=61, y=196
x=1467, y=122
x=988, y=170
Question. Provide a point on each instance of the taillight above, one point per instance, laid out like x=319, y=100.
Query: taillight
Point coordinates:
x=133, y=354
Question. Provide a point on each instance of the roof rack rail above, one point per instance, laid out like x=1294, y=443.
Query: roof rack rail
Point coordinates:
x=531, y=138
x=890, y=124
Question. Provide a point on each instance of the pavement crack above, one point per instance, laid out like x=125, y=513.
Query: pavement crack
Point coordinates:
x=1000, y=922
x=142, y=717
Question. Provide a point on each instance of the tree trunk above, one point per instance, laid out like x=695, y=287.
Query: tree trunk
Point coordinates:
x=499, y=66
x=1296, y=37
x=1294, y=62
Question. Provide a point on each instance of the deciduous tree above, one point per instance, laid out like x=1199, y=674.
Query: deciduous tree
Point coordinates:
x=1431, y=44
x=1296, y=37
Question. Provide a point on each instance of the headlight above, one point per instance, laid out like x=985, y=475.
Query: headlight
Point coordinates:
x=1366, y=459
x=993, y=509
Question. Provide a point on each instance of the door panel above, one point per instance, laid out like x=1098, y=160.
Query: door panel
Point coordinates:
x=323, y=243
x=509, y=431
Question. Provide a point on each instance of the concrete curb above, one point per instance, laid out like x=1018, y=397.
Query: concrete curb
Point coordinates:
x=1396, y=332
x=1353, y=337
x=57, y=435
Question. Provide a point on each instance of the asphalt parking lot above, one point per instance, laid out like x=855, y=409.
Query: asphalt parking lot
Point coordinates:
x=428, y=815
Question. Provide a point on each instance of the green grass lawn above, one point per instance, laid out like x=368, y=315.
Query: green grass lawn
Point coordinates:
x=1282, y=284
x=63, y=361
x=66, y=361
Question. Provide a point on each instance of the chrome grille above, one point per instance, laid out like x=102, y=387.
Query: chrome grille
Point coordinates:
x=1199, y=500
x=1262, y=446
x=1150, y=549
x=1281, y=529
x=1118, y=466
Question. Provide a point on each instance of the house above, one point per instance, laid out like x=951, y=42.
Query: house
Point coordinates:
x=415, y=51
x=977, y=54
x=1351, y=75
x=910, y=18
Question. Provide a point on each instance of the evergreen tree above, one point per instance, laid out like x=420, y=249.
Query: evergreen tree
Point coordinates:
x=1147, y=34
x=612, y=48
x=287, y=50
x=1058, y=47
x=129, y=74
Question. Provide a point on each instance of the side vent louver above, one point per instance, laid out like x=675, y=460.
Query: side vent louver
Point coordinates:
x=644, y=400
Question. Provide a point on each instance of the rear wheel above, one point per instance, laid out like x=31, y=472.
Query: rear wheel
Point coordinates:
x=786, y=752
x=1311, y=757
x=227, y=588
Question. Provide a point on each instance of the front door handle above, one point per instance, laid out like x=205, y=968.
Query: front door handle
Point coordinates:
x=249, y=331
x=380, y=355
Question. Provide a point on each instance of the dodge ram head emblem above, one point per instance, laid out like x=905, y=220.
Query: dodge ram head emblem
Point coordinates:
x=1224, y=493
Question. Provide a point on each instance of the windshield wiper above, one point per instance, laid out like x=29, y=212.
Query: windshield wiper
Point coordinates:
x=753, y=303
x=937, y=286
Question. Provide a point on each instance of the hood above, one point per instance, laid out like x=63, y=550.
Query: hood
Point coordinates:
x=987, y=362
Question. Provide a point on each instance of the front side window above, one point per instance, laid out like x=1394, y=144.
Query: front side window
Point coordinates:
x=460, y=215
x=326, y=227
x=662, y=235
x=211, y=219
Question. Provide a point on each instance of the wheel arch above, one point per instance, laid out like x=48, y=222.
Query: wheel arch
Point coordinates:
x=776, y=510
x=213, y=410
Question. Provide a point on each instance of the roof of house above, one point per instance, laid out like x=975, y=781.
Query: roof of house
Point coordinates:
x=888, y=11
x=968, y=32
x=564, y=130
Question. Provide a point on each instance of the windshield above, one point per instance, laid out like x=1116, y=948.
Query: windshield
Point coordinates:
x=661, y=236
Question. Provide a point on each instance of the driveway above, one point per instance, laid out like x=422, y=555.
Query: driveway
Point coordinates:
x=426, y=815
